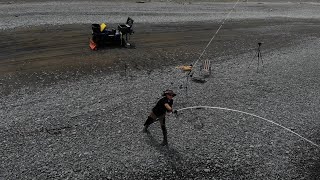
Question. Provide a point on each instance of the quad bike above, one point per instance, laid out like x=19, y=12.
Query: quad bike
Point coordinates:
x=103, y=37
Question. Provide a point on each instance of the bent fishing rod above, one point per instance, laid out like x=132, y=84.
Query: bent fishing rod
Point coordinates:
x=250, y=114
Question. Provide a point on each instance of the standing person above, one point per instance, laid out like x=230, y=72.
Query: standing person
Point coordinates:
x=158, y=113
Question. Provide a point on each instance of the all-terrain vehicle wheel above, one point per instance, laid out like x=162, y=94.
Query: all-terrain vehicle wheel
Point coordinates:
x=132, y=46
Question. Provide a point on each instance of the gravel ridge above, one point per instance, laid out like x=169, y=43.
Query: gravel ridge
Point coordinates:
x=77, y=12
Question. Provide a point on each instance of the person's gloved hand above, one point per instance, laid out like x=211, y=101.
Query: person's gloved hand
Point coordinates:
x=175, y=112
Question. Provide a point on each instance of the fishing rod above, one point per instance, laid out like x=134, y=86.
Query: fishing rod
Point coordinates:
x=250, y=114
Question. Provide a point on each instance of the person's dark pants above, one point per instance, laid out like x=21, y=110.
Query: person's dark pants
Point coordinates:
x=153, y=118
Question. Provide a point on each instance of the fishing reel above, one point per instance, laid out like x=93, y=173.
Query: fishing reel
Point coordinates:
x=175, y=113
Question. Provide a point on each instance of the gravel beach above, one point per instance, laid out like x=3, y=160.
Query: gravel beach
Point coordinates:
x=67, y=112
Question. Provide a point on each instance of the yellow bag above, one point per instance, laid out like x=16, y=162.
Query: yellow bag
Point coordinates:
x=102, y=26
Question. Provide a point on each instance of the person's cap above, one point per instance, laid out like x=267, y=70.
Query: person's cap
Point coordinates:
x=169, y=92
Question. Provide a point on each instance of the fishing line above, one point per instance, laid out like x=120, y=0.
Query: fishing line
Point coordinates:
x=227, y=109
x=216, y=33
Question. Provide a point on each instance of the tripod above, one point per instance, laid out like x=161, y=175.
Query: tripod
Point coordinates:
x=258, y=55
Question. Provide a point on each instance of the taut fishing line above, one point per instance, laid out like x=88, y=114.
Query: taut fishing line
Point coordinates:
x=227, y=109
x=215, y=33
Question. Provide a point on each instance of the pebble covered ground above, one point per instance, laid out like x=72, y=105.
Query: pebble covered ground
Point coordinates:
x=89, y=126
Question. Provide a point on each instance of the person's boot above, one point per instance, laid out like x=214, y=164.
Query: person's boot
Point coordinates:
x=165, y=138
x=146, y=124
x=164, y=142
x=145, y=129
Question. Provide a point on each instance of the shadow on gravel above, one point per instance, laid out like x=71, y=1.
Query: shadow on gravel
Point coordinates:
x=314, y=172
x=307, y=160
x=184, y=167
x=313, y=161
x=172, y=157
x=308, y=167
